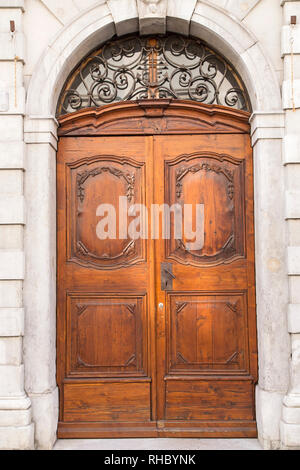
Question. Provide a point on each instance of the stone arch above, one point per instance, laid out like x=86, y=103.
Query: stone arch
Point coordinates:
x=231, y=38
x=99, y=23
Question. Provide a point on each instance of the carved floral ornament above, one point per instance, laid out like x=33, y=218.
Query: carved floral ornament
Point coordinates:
x=152, y=4
x=128, y=178
x=141, y=68
x=182, y=172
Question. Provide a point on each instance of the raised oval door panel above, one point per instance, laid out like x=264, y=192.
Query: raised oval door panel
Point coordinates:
x=206, y=330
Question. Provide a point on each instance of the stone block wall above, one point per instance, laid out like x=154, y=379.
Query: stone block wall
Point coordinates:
x=16, y=427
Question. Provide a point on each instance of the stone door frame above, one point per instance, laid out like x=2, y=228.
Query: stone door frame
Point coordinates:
x=228, y=36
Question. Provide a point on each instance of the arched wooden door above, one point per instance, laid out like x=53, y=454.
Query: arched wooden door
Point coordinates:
x=156, y=339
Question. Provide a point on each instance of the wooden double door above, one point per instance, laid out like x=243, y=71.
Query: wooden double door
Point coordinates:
x=155, y=338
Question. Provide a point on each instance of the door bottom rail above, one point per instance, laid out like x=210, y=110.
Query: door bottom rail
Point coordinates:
x=159, y=429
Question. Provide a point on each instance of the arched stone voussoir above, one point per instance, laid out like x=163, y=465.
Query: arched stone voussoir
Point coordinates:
x=151, y=16
x=125, y=15
x=240, y=9
x=89, y=30
x=179, y=15
x=234, y=41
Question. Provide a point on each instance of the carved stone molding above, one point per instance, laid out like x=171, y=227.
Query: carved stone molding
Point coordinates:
x=152, y=5
x=152, y=16
x=119, y=8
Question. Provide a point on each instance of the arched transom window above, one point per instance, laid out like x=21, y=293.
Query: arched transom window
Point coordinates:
x=138, y=68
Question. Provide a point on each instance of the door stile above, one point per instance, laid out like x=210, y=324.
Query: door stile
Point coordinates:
x=250, y=234
x=61, y=327
x=161, y=296
x=150, y=180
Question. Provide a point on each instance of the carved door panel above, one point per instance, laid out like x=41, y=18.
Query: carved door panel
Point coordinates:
x=206, y=329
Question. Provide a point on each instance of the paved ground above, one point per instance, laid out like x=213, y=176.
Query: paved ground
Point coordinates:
x=157, y=444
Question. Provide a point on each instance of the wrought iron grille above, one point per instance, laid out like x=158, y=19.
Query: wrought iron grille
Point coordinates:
x=148, y=68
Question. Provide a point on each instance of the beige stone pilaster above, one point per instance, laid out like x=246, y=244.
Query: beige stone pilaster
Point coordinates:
x=267, y=129
x=290, y=50
x=40, y=283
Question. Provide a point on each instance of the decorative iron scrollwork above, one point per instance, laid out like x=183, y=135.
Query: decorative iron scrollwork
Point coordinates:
x=138, y=68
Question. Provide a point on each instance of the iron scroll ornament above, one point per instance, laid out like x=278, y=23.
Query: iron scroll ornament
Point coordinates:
x=138, y=68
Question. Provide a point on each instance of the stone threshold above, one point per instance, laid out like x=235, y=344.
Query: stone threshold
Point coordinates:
x=157, y=444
